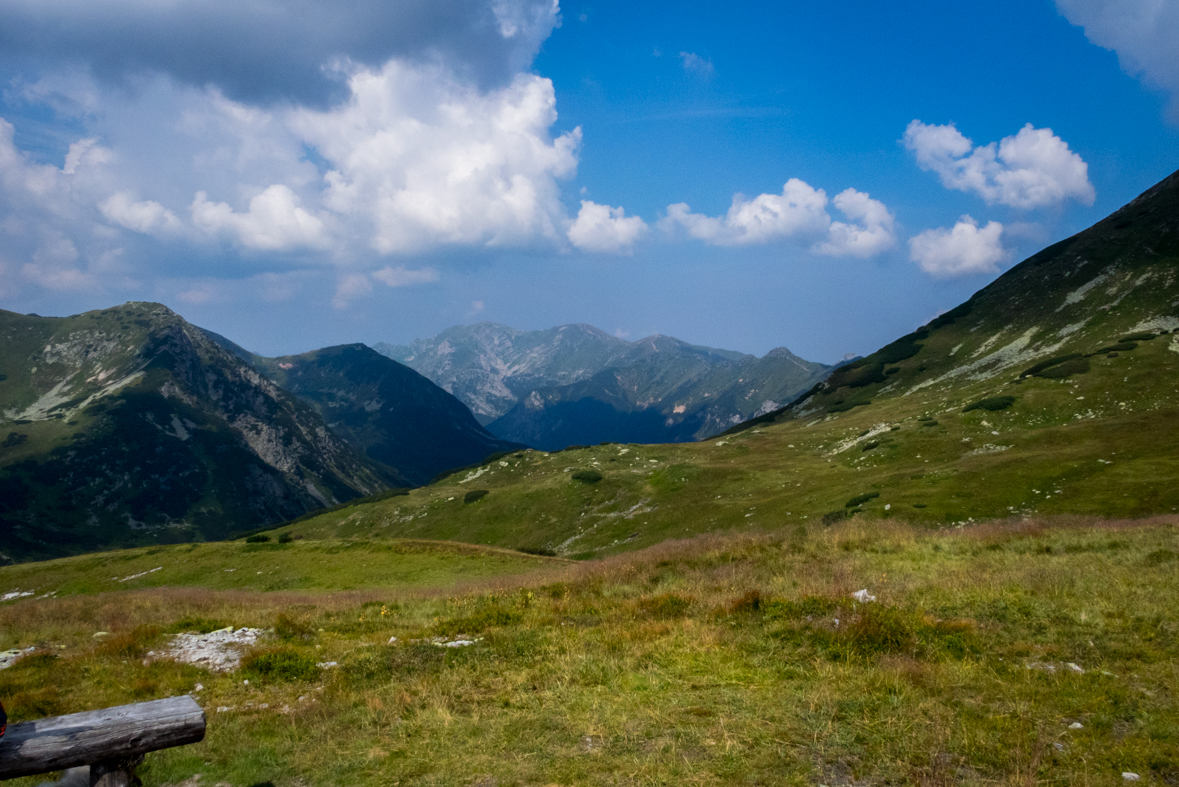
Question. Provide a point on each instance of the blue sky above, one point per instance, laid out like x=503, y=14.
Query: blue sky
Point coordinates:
x=820, y=176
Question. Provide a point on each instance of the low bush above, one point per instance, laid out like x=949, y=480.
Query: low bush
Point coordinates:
x=843, y=407
x=1067, y=369
x=542, y=551
x=752, y=602
x=199, y=625
x=286, y=538
x=287, y=628
x=930, y=422
x=859, y=500
x=280, y=664
x=1120, y=347
x=1138, y=337
x=891, y=371
x=587, y=476
x=919, y=505
x=994, y=404
x=870, y=445
x=832, y=517
x=475, y=495
x=258, y=539
x=1036, y=370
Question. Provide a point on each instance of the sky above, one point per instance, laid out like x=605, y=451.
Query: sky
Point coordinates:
x=820, y=176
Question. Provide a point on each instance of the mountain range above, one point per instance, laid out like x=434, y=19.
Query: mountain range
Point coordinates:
x=575, y=384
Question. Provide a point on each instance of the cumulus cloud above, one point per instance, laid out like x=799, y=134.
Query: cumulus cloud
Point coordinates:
x=145, y=216
x=869, y=232
x=350, y=287
x=265, y=51
x=962, y=250
x=1143, y=33
x=1032, y=169
x=798, y=213
x=601, y=228
x=275, y=221
x=694, y=64
x=427, y=160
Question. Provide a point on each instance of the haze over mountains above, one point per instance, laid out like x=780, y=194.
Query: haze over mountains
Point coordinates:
x=575, y=384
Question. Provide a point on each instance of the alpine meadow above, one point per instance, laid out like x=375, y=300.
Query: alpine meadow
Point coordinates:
x=471, y=539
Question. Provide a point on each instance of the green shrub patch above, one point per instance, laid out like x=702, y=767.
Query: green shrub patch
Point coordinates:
x=859, y=500
x=258, y=539
x=474, y=495
x=1067, y=369
x=281, y=665
x=587, y=476
x=993, y=404
x=1138, y=337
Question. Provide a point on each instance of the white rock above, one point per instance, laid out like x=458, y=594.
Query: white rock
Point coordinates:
x=327, y=664
x=1074, y=668
x=1076, y=725
x=391, y=640
x=863, y=596
x=1130, y=776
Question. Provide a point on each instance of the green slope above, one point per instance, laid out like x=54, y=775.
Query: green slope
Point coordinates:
x=1093, y=434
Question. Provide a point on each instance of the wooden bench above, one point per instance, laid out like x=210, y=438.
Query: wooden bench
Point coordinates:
x=111, y=741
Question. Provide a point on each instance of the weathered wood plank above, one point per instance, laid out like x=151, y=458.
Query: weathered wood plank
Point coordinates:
x=127, y=731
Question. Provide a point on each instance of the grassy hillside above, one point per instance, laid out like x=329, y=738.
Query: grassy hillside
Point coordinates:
x=1020, y=654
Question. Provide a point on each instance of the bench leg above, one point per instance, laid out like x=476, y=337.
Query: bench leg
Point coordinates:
x=115, y=773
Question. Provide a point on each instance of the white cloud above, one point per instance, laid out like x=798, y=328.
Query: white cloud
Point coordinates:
x=602, y=228
x=695, y=64
x=1142, y=32
x=868, y=235
x=798, y=213
x=404, y=277
x=423, y=160
x=275, y=221
x=148, y=216
x=965, y=249
x=1032, y=169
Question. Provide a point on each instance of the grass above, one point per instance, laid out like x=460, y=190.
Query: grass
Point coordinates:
x=267, y=567
x=715, y=660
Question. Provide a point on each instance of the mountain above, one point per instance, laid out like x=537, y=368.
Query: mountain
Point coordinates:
x=130, y=426
x=386, y=410
x=1052, y=392
x=576, y=384
x=1080, y=305
x=491, y=367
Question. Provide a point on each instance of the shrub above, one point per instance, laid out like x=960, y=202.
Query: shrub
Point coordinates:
x=949, y=317
x=869, y=446
x=930, y=422
x=1138, y=337
x=665, y=606
x=198, y=624
x=919, y=505
x=1159, y=556
x=858, y=376
x=281, y=664
x=1036, y=369
x=1120, y=347
x=587, y=476
x=474, y=495
x=859, y=500
x=542, y=551
x=286, y=538
x=843, y=407
x=891, y=371
x=994, y=404
x=902, y=348
x=831, y=517
x=880, y=630
x=258, y=539
x=1066, y=369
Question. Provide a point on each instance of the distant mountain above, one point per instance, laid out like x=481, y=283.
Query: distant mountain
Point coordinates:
x=1082, y=304
x=575, y=384
x=130, y=426
x=386, y=410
